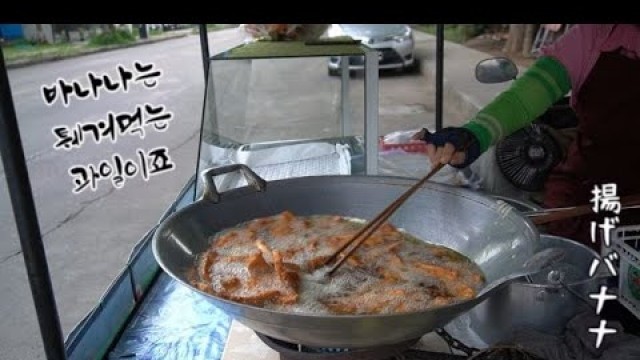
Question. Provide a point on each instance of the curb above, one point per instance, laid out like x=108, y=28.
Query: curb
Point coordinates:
x=460, y=88
x=458, y=99
x=24, y=63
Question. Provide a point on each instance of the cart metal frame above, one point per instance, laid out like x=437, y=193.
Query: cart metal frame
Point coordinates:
x=90, y=334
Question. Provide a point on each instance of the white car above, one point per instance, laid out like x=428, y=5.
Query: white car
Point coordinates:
x=394, y=42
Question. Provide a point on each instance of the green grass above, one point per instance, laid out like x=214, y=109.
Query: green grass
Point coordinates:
x=454, y=33
x=21, y=50
x=117, y=37
x=155, y=32
x=216, y=27
x=150, y=32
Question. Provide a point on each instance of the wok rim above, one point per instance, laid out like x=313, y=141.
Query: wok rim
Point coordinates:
x=387, y=180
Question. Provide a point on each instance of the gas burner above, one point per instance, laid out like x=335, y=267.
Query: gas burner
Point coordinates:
x=401, y=351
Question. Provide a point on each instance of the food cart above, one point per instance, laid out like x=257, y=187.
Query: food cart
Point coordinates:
x=148, y=313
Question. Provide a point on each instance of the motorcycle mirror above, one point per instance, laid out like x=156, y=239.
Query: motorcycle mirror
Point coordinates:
x=496, y=70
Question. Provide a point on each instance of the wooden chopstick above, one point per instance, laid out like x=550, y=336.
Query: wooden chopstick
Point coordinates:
x=374, y=224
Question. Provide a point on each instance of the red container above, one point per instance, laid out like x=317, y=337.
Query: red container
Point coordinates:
x=414, y=146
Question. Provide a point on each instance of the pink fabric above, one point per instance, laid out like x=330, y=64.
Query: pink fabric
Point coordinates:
x=579, y=49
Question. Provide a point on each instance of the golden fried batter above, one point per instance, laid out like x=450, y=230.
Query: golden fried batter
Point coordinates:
x=270, y=261
x=437, y=271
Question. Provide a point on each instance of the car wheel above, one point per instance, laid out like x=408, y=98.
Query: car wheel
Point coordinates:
x=414, y=68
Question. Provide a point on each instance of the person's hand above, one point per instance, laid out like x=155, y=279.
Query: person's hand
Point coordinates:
x=455, y=146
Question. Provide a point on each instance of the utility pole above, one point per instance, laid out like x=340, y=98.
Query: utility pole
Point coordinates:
x=143, y=31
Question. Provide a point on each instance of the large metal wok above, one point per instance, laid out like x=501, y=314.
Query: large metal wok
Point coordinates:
x=473, y=224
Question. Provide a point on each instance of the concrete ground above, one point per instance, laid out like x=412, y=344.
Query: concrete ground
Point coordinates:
x=88, y=236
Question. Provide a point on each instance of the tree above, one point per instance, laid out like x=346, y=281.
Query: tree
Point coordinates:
x=527, y=43
x=515, y=39
x=520, y=39
x=108, y=27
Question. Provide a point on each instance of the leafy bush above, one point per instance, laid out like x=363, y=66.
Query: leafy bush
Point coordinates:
x=115, y=37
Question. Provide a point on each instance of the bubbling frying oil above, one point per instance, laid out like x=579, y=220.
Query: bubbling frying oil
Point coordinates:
x=275, y=263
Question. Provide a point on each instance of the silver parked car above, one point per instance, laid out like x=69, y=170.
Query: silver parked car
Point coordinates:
x=394, y=42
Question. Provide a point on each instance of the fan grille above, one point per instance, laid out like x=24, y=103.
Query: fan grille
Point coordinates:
x=527, y=156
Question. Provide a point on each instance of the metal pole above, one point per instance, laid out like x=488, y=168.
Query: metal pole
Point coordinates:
x=204, y=45
x=345, y=100
x=24, y=211
x=439, y=73
x=371, y=94
x=204, y=49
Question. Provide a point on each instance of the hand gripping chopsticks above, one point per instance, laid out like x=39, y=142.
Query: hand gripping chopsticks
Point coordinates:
x=374, y=224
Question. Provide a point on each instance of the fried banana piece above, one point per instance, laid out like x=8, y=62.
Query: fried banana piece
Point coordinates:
x=231, y=284
x=283, y=225
x=462, y=291
x=387, y=229
x=288, y=298
x=312, y=244
x=259, y=224
x=266, y=283
x=336, y=219
x=256, y=265
x=396, y=261
x=225, y=239
x=256, y=298
x=280, y=229
x=205, y=264
x=204, y=286
x=440, y=301
x=446, y=254
x=375, y=300
x=355, y=261
x=264, y=249
x=382, y=250
x=440, y=272
x=374, y=240
x=336, y=241
x=287, y=216
x=316, y=262
x=277, y=262
x=339, y=307
x=388, y=275
x=477, y=279
x=290, y=278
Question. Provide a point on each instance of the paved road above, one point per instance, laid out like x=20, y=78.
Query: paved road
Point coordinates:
x=89, y=236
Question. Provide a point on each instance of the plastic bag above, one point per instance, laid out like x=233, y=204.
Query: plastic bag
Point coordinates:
x=400, y=137
x=400, y=155
x=417, y=165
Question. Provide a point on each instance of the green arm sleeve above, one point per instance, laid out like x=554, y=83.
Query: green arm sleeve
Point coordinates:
x=544, y=83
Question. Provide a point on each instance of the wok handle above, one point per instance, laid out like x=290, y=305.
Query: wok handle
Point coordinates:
x=211, y=193
x=542, y=217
